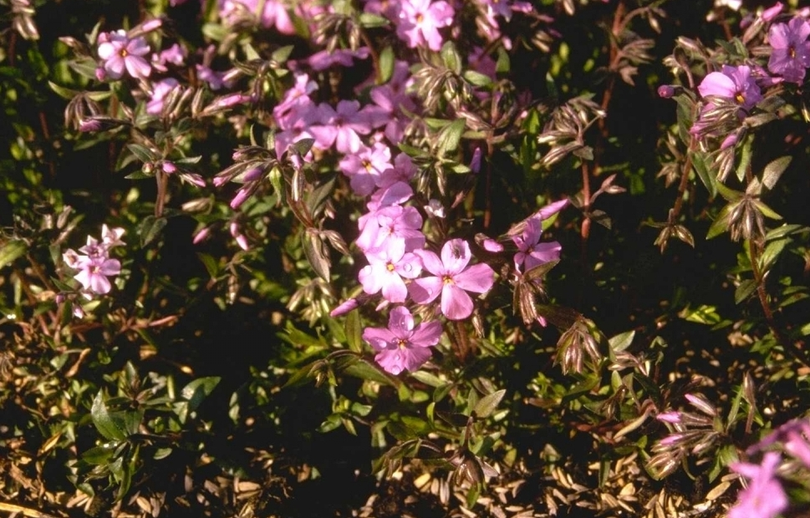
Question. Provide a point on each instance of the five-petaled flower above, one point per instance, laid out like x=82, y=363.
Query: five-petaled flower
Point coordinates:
x=452, y=279
x=402, y=346
x=734, y=83
x=120, y=53
x=791, y=50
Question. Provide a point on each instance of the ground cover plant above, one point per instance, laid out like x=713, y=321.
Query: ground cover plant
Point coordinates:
x=404, y=258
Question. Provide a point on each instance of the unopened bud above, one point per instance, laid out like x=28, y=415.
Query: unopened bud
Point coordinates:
x=666, y=91
x=239, y=199
x=346, y=307
x=202, y=235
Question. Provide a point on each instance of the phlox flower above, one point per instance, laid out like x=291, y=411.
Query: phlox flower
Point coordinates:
x=420, y=21
x=94, y=263
x=402, y=346
x=452, y=279
x=364, y=167
x=94, y=272
x=791, y=50
x=531, y=252
x=121, y=53
x=160, y=90
x=733, y=83
x=386, y=270
x=341, y=126
x=764, y=496
x=379, y=228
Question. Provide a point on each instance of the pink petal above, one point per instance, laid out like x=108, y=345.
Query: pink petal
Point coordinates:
x=456, y=304
x=379, y=338
x=137, y=67
x=426, y=334
x=426, y=289
x=400, y=322
x=477, y=278
x=718, y=84
x=455, y=255
x=431, y=262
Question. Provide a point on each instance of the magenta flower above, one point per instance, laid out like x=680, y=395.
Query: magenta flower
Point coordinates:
x=532, y=252
x=387, y=268
x=791, y=50
x=94, y=272
x=452, y=279
x=366, y=166
x=401, y=346
x=342, y=126
x=120, y=53
x=160, y=90
x=420, y=21
x=379, y=228
x=764, y=496
x=733, y=83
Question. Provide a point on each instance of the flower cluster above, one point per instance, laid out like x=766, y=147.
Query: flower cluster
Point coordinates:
x=733, y=92
x=94, y=264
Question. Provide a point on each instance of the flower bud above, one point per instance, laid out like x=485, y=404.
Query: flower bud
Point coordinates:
x=345, y=307
x=202, y=235
x=666, y=91
x=240, y=198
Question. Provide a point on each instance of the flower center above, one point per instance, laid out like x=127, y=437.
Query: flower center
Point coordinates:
x=792, y=51
x=123, y=53
x=448, y=280
x=402, y=344
x=740, y=98
x=390, y=267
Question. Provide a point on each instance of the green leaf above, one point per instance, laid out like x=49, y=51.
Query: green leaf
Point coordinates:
x=61, y=91
x=450, y=57
x=149, y=229
x=744, y=290
x=372, y=21
x=196, y=391
x=316, y=253
x=282, y=54
x=477, y=78
x=622, y=341
x=143, y=153
x=11, y=251
x=386, y=65
x=354, y=329
x=104, y=421
x=773, y=171
x=450, y=136
x=487, y=404
x=362, y=369
x=706, y=176
x=210, y=264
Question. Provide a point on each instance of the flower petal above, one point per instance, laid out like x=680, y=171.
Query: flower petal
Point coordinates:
x=425, y=290
x=477, y=278
x=456, y=304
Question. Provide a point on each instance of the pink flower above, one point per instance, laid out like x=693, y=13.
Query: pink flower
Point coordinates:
x=733, y=83
x=452, y=279
x=764, y=496
x=532, y=252
x=420, y=21
x=401, y=346
x=379, y=228
x=341, y=126
x=94, y=273
x=120, y=53
x=386, y=270
x=791, y=50
x=161, y=90
x=366, y=166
